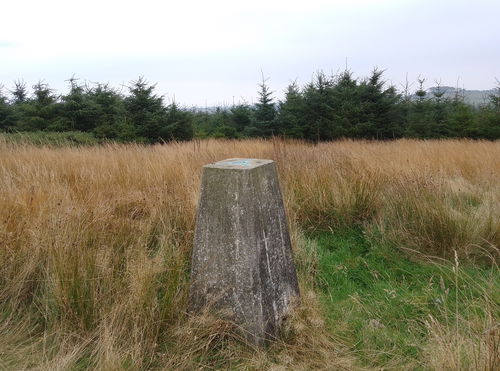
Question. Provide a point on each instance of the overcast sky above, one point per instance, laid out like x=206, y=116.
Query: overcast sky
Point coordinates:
x=207, y=52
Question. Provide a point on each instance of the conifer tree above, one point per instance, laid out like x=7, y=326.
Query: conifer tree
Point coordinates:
x=36, y=112
x=5, y=112
x=107, y=108
x=290, y=122
x=19, y=93
x=420, y=117
x=495, y=97
x=379, y=110
x=462, y=121
x=241, y=117
x=77, y=108
x=265, y=111
x=151, y=119
x=489, y=116
x=440, y=127
x=348, y=107
x=42, y=107
x=421, y=93
x=319, y=112
x=178, y=125
x=145, y=110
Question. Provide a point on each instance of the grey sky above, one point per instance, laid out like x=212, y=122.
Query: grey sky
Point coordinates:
x=207, y=52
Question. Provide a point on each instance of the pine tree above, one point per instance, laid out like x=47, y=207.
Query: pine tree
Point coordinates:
x=36, y=112
x=489, y=116
x=19, y=93
x=340, y=105
x=420, y=115
x=241, y=117
x=178, y=125
x=319, y=112
x=379, y=108
x=43, y=107
x=495, y=97
x=265, y=111
x=107, y=108
x=440, y=127
x=6, y=118
x=462, y=121
x=78, y=111
x=421, y=93
x=290, y=121
x=151, y=119
x=145, y=110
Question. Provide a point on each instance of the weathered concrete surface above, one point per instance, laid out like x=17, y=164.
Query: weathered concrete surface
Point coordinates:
x=242, y=258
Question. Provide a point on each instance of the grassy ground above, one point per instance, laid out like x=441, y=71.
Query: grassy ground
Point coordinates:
x=394, y=312
x=53, y=139
x=95, y=248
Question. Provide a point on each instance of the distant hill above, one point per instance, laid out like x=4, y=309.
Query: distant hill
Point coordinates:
x=475, y=97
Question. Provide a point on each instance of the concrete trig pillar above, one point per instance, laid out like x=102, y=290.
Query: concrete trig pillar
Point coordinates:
x=242, y=258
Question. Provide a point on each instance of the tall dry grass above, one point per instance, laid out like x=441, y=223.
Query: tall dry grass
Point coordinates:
x=95, y=242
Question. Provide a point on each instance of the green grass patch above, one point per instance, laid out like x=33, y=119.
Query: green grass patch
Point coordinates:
x=380, y=303
x=52, y=139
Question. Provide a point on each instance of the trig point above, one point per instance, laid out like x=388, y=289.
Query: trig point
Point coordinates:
x=242, y=258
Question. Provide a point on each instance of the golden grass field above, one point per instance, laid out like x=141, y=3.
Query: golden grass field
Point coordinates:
x=95, y=247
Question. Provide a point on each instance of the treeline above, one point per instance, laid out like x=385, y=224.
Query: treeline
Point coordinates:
x=141, y=115
x=341, y=106
x=329, y=107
